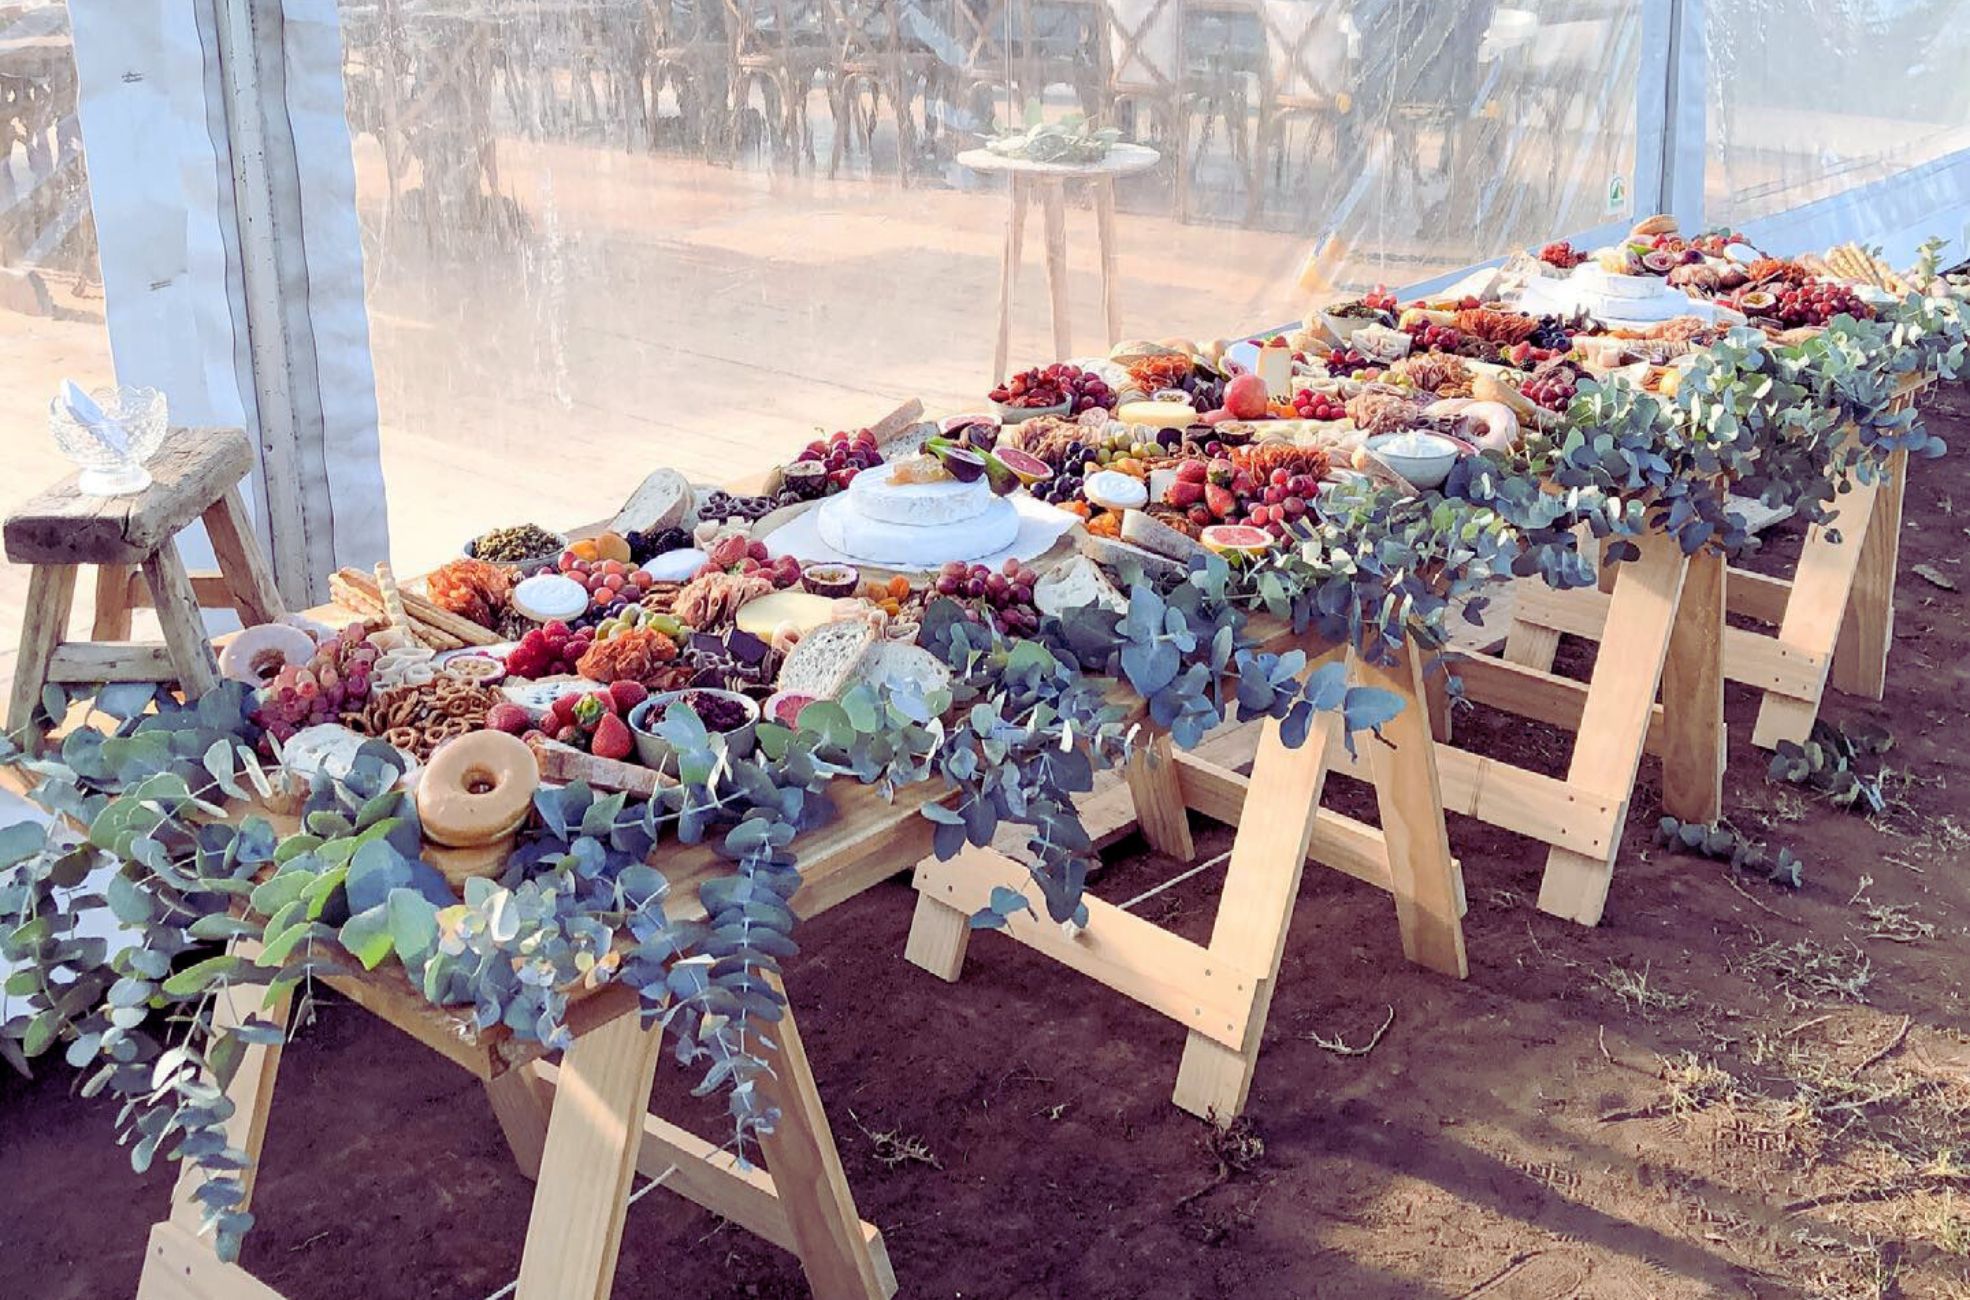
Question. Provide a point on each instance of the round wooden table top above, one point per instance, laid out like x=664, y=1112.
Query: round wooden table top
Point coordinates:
x=1120, y=160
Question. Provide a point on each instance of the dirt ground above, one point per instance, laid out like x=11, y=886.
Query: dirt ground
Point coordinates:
x=1729, y=1088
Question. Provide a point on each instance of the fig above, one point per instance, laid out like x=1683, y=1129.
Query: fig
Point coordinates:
x=1660, y=262
x=1757, y=302
x=963, y=464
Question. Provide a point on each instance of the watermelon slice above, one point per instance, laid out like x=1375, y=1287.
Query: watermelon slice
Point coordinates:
x=1236, y=539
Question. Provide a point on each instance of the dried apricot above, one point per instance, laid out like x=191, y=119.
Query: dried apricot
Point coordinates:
x=899, y=586
x=611, y=546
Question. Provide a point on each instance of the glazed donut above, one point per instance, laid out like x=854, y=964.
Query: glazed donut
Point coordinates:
x=259, y=652
x=477, y=788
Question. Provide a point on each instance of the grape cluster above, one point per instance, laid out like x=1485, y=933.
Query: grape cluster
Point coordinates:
x=1005, y=596
x=1284, y=499
x=1343, y=362
x=658, y=541
x=1309, y=405
x=638, y=616
x=334, y=680
x=610, y=584
x=1075, y=465
x=1551, y=386
x=1427, y=336
x=1551, y=333
x=1819, y=302
x=844, y=454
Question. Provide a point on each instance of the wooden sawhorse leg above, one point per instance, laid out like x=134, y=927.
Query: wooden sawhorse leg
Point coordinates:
x=1816, y=611
x=1860, y=656
x=587, y=1151
x=1614, y=720
x=1158, y=796
x=1222, y=992
x=179, y=1264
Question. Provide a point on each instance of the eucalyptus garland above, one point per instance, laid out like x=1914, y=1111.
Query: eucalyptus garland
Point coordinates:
x=140, y=830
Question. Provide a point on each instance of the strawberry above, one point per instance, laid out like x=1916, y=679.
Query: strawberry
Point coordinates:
x=1191, y=471
x=563, y=711
x=508, y=717
x=612, y=738
x=589, y=710
x=569, y=735
x=603, y=698
x=1185, y=493
x=628, y=694
x=1220, y=501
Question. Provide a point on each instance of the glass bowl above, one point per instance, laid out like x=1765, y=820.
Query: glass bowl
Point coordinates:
x=109, y=469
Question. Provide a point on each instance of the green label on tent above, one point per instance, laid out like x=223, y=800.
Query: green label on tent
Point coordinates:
x=1617, y=195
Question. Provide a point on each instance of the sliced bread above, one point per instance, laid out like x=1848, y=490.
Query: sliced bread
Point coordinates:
x=663, y=500
x=828, y=659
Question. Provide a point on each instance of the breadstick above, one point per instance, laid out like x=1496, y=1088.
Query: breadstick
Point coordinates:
x=454, y=629
x=393, y=601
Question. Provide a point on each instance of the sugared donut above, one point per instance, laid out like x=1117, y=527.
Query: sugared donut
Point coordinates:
x=255, y=655
x=476, y=789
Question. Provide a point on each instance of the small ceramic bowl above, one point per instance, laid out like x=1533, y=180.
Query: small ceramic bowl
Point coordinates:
x=657, y=752
x=1010, y=415
x=1427, y=470
x=530, y=565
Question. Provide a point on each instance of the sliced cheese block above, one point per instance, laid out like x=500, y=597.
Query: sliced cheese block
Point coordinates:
x=1152, y=534
x=804, y=610
x=1111, y=554
x=896, y=663
x=1158, y=415
x=1076, y=582
x=663, y=500
x=675, y=566
x=548, y=596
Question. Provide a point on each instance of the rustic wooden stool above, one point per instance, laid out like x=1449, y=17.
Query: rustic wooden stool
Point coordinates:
x=196, y=474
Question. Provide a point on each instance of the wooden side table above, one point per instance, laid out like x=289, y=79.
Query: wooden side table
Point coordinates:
x=196, y=474
x=1049, y=181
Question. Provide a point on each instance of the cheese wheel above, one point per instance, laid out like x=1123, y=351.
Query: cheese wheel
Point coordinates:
x=476, y=789
x=548, y=596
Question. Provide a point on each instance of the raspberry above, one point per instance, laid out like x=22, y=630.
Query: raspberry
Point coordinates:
x=508, y=717
x=628, y=694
